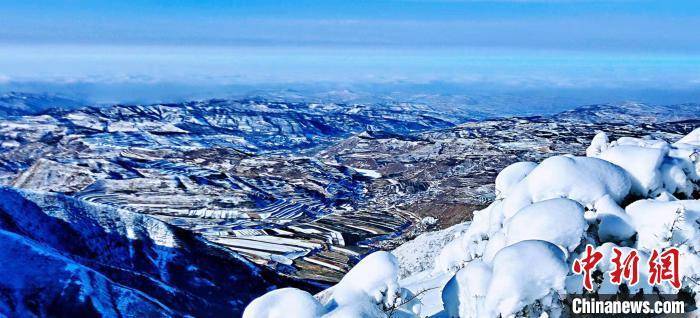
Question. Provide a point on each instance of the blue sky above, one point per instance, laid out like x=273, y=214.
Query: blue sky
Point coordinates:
x=486, y=44
x=669, y=26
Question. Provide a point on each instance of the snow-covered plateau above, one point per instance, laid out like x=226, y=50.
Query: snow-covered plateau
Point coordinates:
x=515, y=257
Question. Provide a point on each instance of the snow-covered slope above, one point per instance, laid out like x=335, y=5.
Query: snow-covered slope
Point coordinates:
x=516, y=256
x=418, y=254
x=61, y=257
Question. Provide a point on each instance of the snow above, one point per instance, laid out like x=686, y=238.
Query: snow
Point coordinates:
x=81, y=119
x=559, y=221
x=463, y=295
x=419, y=254
x=106, y=261
x=282, y=303
x=693, y=138
x=373, y=174
x=511, y=175
x=428, y=287
x=614, y=223
x=581, y=179
x=522, y=273
x=642, y=163
x=566, y=200
x=655, y=166
x=664, y=224
x=369, y=289
x=598, y=144
x=469, y=244
x=36, y=267
x=371, y=282
x=428, y=221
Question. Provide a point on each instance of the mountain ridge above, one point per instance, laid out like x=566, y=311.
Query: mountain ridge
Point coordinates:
x=110, y=258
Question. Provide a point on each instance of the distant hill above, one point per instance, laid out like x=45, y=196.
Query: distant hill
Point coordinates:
x=17, y=104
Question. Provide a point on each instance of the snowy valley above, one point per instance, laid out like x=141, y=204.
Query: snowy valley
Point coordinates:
x=515, y=257
x=345, y=210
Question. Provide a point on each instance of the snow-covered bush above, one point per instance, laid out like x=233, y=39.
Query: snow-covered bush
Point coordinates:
x=522, y=273
x=370, y=289
x=581, y=179
x=559, y=221
x=663, y=224
x=614, y=225
x=511, y=176
x=569, y=202
x=656, y=166
x=468, y=284
x=282, y=303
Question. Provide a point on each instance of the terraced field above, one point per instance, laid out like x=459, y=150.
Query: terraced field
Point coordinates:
x=305, y=189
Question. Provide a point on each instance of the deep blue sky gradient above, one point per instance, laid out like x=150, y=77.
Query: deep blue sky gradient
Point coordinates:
x=669, y=26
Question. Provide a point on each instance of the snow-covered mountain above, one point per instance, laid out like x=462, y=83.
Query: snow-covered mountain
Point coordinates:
x=63, y=257
x=228, y=169
x=297, y=189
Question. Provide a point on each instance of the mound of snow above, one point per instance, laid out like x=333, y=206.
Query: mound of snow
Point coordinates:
x=662, y=224
x=370, y=289
x=655, y=166
x=282, y=303
x=614, y=225
x=522, y=273
x=558, y=221
x=598, y=144
x=581, y=179
x=642, y=163
x=419, y=254
x=693, y=138
x=511, y=175
x=567, y=200
x=464, y=294
x=376, y=276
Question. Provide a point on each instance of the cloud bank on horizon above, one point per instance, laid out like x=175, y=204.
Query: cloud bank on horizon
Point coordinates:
x=500, y=43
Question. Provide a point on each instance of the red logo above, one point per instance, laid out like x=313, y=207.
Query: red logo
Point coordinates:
x=586, y=265
x=662, y=267
x=626, y=268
